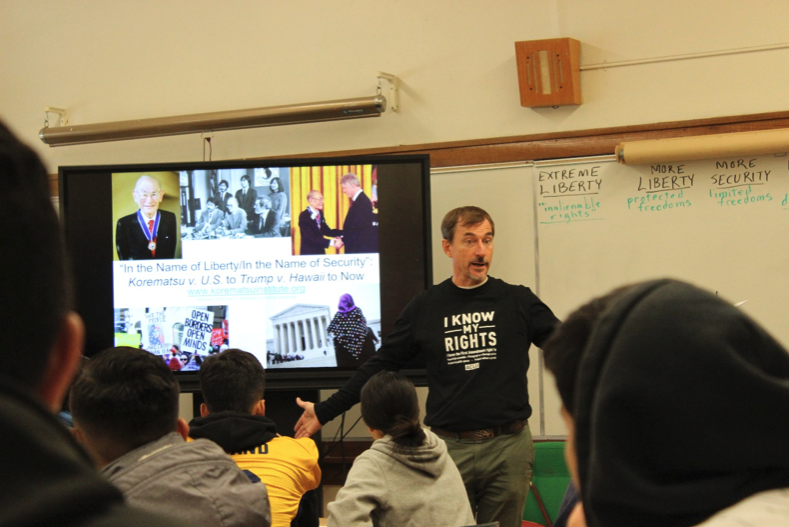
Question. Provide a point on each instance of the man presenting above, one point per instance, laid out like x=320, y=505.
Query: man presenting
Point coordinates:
x=474, y=332
x=313, y=227
x=149, y=233
x=360, y=232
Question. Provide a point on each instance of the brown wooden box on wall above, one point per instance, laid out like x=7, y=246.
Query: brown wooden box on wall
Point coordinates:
x=549, y=72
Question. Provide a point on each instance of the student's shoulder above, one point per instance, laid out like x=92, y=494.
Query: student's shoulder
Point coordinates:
x=302, y=447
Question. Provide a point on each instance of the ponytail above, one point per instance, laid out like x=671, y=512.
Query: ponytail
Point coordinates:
x=389, y=404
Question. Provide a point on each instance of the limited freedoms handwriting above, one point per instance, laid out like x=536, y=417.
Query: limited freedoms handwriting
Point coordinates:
x=734, y=196
x=737, y=182
x=569, y=181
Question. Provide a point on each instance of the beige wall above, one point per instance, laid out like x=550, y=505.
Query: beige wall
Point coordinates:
x=107, y=61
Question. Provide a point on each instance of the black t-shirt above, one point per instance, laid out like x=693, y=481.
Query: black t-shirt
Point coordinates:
x=476, y=346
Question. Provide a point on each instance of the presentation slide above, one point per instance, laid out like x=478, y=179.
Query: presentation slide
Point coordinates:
x=271, y=261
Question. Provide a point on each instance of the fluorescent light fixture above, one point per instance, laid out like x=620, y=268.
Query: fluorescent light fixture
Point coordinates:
x=314, y=112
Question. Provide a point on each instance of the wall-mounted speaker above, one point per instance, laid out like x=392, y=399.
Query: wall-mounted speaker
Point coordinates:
x=549, y=72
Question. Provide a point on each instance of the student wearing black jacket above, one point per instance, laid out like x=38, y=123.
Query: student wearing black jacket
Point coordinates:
x=45, y=477
x=676, y=403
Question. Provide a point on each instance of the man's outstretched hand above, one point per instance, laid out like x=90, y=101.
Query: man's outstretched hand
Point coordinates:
x=308, y=423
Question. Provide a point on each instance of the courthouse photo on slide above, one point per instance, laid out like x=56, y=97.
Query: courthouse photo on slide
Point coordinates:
x=336, y=327
x=146, y=213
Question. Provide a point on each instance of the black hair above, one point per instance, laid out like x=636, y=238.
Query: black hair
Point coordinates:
x=232, y=381
x=215, y=200
x=34, y=282
x=247, y=178
x=225, y=183
x=126, y=396
x=389, y=404
x=565, y=348
x=279, y=185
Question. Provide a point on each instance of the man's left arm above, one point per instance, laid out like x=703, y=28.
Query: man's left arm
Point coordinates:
x=538, y=315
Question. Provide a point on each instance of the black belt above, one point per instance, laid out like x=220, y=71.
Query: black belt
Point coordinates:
x=483, y=434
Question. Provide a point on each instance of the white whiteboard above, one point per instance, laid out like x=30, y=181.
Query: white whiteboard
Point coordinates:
x=570, y=243
x=720, y=224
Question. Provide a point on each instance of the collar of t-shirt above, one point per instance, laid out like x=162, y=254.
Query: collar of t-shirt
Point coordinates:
x=474, y=286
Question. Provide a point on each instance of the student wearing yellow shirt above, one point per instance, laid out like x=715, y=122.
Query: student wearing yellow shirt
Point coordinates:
x=233, y=416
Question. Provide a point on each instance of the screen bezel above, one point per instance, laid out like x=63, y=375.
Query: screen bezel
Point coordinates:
x=403, y=274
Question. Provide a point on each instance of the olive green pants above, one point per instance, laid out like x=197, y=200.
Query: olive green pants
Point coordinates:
x=496, y=473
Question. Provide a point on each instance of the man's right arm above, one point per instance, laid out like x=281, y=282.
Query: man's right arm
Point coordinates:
x=397, y=350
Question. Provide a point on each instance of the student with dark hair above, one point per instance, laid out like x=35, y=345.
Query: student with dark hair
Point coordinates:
x=406, y=477
x=45, y=477
x=125, y=410
x=233, y=416
x=676, y=405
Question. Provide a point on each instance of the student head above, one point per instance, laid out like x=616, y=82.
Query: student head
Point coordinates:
x=35, y=284
x=148, y=195
x=390, y=407
x=563, y=354
x=212, y=203
x=223, y=186
x=232, y=381
x=468, y=240
x=245, y=182
x=275, y=185
x=676, y=404
x=123, y=399
x=350, y=184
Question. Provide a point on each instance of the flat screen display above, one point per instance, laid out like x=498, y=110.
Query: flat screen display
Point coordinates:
x=304, y=263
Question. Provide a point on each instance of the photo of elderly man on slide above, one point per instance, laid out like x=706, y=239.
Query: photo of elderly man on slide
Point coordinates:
x=148, y=233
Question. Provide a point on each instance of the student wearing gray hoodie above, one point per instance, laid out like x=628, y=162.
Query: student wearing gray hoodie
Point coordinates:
x=406, y=477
